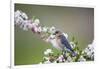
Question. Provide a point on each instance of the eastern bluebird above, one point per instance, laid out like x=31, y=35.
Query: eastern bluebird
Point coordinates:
x=64, y=42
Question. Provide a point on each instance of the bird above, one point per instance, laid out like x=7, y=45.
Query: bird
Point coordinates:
x=51, y=39
x=55, y=43
x=64, y=42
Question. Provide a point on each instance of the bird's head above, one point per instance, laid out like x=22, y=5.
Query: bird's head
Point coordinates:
x=58, y=33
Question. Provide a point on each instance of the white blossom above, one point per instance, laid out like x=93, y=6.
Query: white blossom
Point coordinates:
x=24, y=25
x=39, y=29
x=20, y=16
x=36, y=27
x=86, y=50
x=89, y=54
x=48, y=51
x=18, y=20
x=72, y=44
x=52, y=36
x=45, y=53
x=81, y=59
x=60, y=58
x=45, y=29
x=52, y=30
x=89, y=51
x=69, y=59
x=47, y=62
x=17, y=14
x=24, y=16
x=46, y=58
x=37, y=21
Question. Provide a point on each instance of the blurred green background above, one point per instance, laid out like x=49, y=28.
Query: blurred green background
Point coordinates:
x=75, y=21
